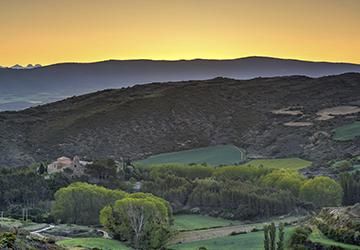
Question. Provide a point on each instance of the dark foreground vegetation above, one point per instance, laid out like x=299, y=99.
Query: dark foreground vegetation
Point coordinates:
x=136, y=204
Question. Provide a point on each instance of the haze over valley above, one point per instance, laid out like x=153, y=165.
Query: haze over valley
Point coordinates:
x=22, y=88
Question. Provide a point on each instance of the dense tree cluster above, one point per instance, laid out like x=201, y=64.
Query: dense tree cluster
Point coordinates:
x=351, y=186
x=240, y=199
x=231, y=191
x=24, y=188
x=80, y=203
x=238, y=191
x=322, y=192
x=284, y=179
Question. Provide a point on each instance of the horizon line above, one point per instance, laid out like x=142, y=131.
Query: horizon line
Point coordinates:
x=181, y=59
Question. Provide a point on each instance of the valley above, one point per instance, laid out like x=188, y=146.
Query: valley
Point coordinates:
x=220, y=166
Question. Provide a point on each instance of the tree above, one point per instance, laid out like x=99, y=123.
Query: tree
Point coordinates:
x=272, y=233
x=322, y=192
x=285, y=179
x=280, y=244
x=142, y=219
x=351, y=186
x=42, y=169
x=266, y=238
x=80, y=203
x=102, y=169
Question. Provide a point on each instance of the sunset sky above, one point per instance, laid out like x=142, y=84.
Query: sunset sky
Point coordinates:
x=52, y=31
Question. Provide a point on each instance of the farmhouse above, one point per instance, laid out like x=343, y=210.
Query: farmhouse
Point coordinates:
x=74, y=166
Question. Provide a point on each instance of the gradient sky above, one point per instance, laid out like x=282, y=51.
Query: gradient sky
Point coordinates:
x=51, y=31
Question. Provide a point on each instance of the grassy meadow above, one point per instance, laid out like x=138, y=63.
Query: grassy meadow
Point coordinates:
x=188, y=222
x=292, y=163
x=100, y=243
x=9, y=223
x=347, y=132
x=213, y=155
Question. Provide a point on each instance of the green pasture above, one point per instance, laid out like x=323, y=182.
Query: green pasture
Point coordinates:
x=9, y=223
x=100, y=243
x=292, y=163
x=347, y=132
x=188, y=222
x=213, y=155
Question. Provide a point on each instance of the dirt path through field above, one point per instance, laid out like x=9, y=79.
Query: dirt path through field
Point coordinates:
x=196, y=235
x=38, y=233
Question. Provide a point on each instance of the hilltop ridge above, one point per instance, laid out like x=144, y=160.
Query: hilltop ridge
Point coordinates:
x=55, y=82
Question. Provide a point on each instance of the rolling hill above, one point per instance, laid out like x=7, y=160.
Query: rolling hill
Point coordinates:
x=268, y=117
x=54, y=82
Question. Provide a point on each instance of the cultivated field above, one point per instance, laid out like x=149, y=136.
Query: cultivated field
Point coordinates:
x=293, y=163
x=100, y=243
x=196, y=222
x=249, y=241
x=214, y=233
x=214, y=155
x=347, y=132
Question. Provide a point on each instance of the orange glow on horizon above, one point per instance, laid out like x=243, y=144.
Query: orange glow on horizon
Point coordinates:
x=52, y=31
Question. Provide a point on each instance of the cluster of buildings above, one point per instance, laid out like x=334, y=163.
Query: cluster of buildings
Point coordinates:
x=74, y=166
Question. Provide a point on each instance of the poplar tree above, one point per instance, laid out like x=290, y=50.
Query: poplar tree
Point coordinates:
x=266, y=238
x=280, y=244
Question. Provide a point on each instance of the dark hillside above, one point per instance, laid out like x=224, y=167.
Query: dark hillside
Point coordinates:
x=161, y=117
x=25, y=88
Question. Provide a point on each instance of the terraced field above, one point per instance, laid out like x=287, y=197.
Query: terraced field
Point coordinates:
x=213, y=155
x=196, y=222
x=293, y=163
x=347, y=132
x=100, y=243
x=249, y=241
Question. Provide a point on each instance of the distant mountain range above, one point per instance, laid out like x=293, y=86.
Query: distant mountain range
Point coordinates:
x=54, y=82
x=29, y=66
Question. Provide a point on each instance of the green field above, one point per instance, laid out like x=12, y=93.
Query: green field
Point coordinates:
x=355, y=168
x=347, y=132
x=196, y=222
x=100, y=243
x=249, y=241
x=26, y=225
x=319, y=237
x=214, y=155
x=70, y=230
x=293, y=163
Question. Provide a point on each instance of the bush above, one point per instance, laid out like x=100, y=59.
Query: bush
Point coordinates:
x=299, y=237
x=7, y=240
